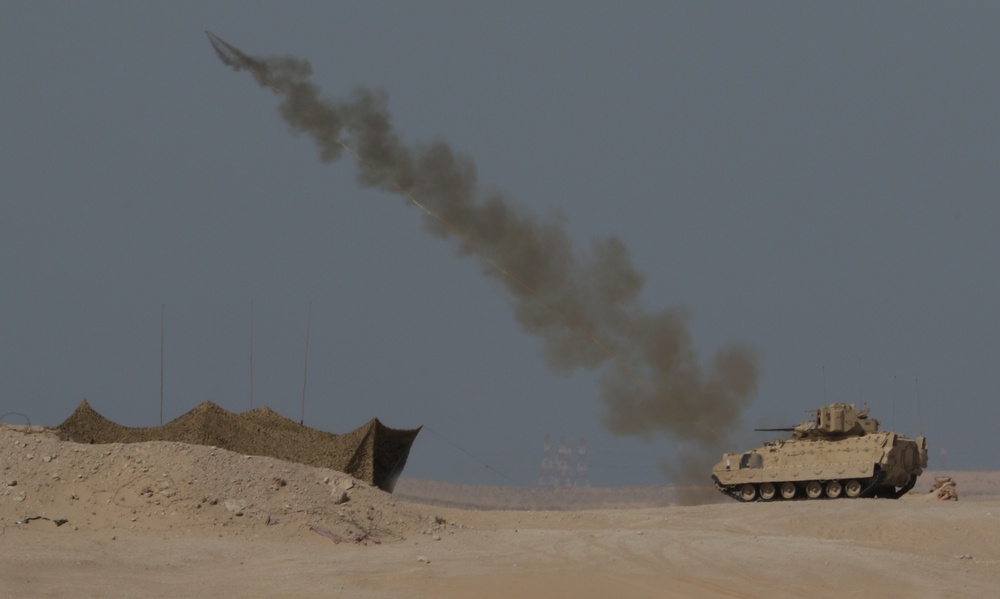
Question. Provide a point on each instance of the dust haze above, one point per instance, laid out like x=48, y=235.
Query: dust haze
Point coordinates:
x=584, y=306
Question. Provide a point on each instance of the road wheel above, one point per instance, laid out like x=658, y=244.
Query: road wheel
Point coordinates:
x=814, y=489
x=767, y=491
x=788, y=490
x=748, y=492
x=833, y=489
x=852, y=488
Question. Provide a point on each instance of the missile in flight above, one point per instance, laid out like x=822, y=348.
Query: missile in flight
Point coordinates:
x=233, y=57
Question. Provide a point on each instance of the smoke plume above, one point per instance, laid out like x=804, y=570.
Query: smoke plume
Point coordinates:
x=585, y=308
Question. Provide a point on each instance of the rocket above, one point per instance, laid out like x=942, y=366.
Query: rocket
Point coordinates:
x=233, y=57
x=227, y=53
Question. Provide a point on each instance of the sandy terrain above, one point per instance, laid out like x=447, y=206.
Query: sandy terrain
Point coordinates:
x=172, y=520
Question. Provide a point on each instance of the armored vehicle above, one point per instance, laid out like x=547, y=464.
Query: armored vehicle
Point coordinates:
x=839, y=453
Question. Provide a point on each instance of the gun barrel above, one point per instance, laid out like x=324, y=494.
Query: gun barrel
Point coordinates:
x=773, y=430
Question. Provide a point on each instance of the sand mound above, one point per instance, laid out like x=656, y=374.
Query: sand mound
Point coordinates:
x=373, y=453
x=158, y=485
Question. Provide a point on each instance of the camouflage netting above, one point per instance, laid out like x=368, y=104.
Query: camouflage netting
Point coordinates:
x=373, y=453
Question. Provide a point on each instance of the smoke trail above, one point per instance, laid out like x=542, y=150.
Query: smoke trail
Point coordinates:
x=585, y=308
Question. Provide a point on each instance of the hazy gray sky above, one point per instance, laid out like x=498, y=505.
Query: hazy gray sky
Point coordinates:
x=816, y=181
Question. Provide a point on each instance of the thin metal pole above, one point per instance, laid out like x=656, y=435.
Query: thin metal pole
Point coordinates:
x=305, y=370
x=162, y=317
x=251, y=354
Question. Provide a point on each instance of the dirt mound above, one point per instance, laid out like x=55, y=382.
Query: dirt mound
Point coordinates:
x=373, y=453
x=50, y=484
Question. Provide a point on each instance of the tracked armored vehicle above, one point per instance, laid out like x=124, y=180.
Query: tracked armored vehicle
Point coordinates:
x=839, y=453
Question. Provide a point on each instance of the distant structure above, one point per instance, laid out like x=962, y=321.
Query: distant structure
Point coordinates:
x=547, y=471
x=582, y=478
x=564, y=464
x=562, y=468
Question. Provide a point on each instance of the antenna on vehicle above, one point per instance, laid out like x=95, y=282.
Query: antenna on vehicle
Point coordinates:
x=859, y=382
x=920, y=420
x=893, y=400
x=824, y=384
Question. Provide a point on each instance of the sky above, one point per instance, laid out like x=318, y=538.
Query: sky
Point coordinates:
x=814, y=183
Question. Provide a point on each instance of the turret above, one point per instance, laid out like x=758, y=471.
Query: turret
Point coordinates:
x=835, y=420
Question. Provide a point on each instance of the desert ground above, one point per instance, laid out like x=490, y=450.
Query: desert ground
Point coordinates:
x=161, y=519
